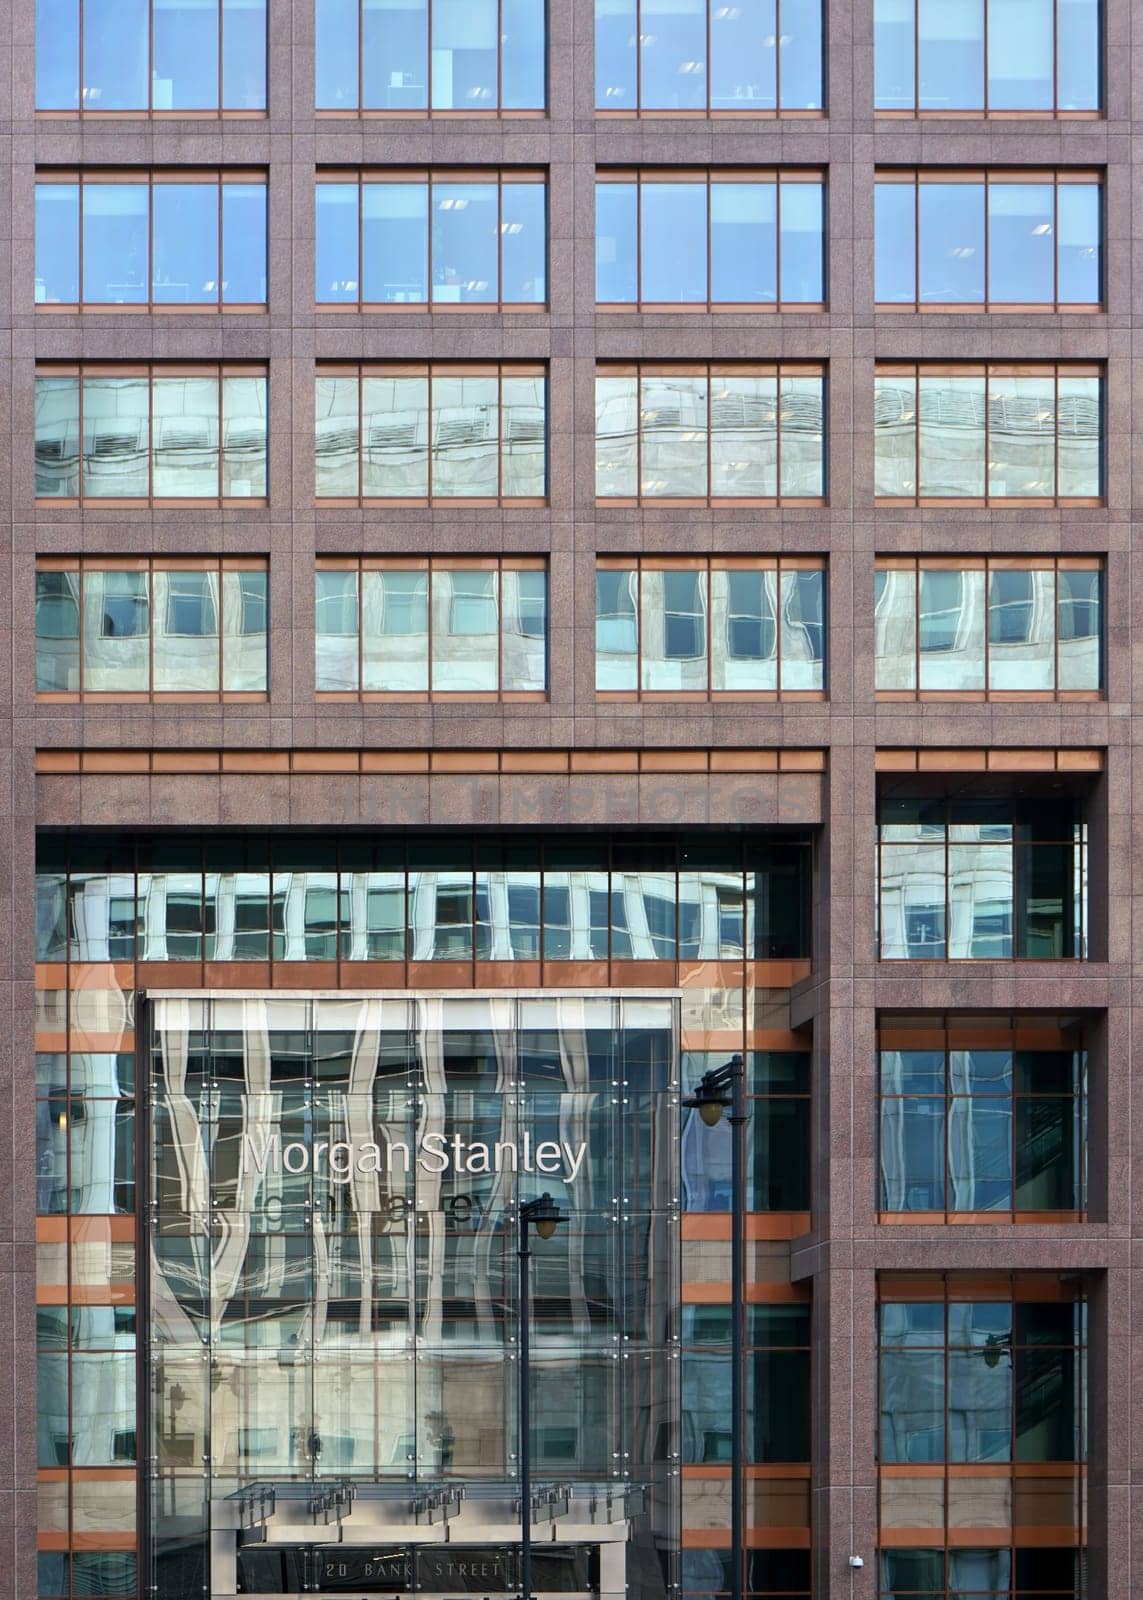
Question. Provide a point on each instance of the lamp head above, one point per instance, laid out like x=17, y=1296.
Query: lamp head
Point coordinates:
x=544, y=1214
x=711, y=1112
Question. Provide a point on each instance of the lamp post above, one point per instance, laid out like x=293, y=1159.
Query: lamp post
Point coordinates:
x=723, y=1089
x=545, y=1216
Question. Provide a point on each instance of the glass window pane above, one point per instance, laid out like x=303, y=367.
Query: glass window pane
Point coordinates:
x=616, y=629
x=1049, y=1150
x=1021, y=629
x=395, y=443
x=980, y=1406
x=951, y=243
x=1021, y=35
x=912, y=904
x=743, y=242
x=616, y=243
x=244, y=55
x=616, y=68
x=1021, y=227
x=465, y=40
x=1078, y=62
x=245, y=622
x=184, y=252
x=57, y=438
x=335, y=258
x=980, y=902
x=103, y=1407
x=980, y=1154
x=1046, y=909
x=802, y=419
x=951, y=629
x=894, y=55
x=525, y=630
x=116, y=46
x=116, y=437
x=894, y=243
x=1022, y=436
x=674, y=437
x=244, y=244
x=465, y=239
x=335, y=54
x=244, y=437
x=673, y=243
x=186, y=432
x=801, y=210
x=395, y=55
x=744, y=438
x=803, y=630
x=57, y=244
x=524, y=424
x=395, y=242
x=895, y=436
x=616, y=440
x=466, y=632
x=116, y=628
x=673, y=627
x=743, y=58
x=116, y=256
x=184, y=72
x=57, y=55
x=1079, y=223
x=894, y=629
x=524, y=242
x=950, y=55
x=335, y=631
x=800, y=45
x=744, y=630
x=672, y=57
x=466, y=437
x=1080, y=629
x=952, y=426
x=1080, y=441
x=337, y=437
x=912, y=1401
x=101, y=1137
x=395, y=631
x=523, y=55
x=912, y=1154
x=186, y=646
x=57, y=632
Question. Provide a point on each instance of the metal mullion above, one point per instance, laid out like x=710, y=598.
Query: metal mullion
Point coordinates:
x=639, y=227
x=917, y=624
x=987, y=96
x=987, y=254
x=1056, y=626
x=1056, y=241
x=778, y=433
x=151, y=434
x=917, y=296
x=638, y=637
x=221, y=262
x=777, y=67
x=706, y=8
x=709, y=447
x=917, y=426
x=709, y=649
x=638, y=113
x=221, y=58
x=987, y=612
x=639, y=432
x=361, y=61
x=948, y=878
x=1055, y=58
x=80, y=284
x=499, y=626
x=499, y=238
x=428, y=81
x=987, y=443
x=917, y=61
x=429, y=587
x=360, y=626
x=778, y=241
x=220, y=621
x=1056, y=447
x=151, y=58
x=151, y=626
x=500, y=57
x=360, y=434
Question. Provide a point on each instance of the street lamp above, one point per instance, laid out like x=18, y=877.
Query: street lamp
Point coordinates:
x=719, y=1090
x=545, y=1216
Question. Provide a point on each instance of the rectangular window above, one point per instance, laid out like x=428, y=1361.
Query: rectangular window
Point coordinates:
x=981, y=879
x=389, y=238
x=699, y=434
x=678, y=627
x=413, y=628
x=122, y=435
x=1033, y=58
x=136, y=628
x=694, y=239
x=982, y=1117
x=778, y=1110
x=955, y=240
x=410, y=434
x=988, y=627
x=163, y=240
x=166, y=57
x=982, y=1411
x=408, y=57
x=692, y=58
x=984, y=435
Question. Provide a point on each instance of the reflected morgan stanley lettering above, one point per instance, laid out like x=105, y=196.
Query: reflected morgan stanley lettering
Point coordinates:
x=340, y=1159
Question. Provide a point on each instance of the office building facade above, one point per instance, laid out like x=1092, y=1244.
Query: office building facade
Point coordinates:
x=554, y=551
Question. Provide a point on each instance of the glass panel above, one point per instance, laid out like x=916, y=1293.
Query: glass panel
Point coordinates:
x=525, y=631
x=335, y=631
x=951, y=630
x=743, y=58
x=116, y=255
x=395, y=54
x=395, y=242
x=980, y=1404
x=616, y=243
x=1048, y=1139
x=951, y=243
x=524, y=425
x=336, y=243
x=1022, y=436
x=337, y=437
x=244, y=55
x=616, y=630
x=57, y=438
x=894, y=625
x=185, y=233
x=1080, y=226
x=245, y=415
x=950, y=54
x=245, y=636
x=744, y=630
x=395, y=629
x=1046, y=908
x=1080, y=598
x=616, y=440
x=1021, y=36
x=801, y=208
x=801, y=54
x=980, y=901
x=57, y=244
x=672, y=58
x=1021, y=247
x=616, y=65
x=803, y=630
x=336, y=54
x=912, y=1401
x=952, y=418
x=980, y=1154
x=673, y=423
x=57, y=55
x=802, y=416
x=744, y=438
x=185, y=426
x=116, y=437
x=57, y=631
x=465, y=239
x=1078, y=61
x=524, y=242
x=894, y=55
x=912, y=909
x=395, y=437
x=1079, y=420
x=743, y=242
x=186, y=646
x=116, y=632
x=895, y=436
x=465, y=41
x=894, y=243
x=184, y=73
x=673, y=243
x=1021, y=629
x=523, y=55
x=673, y=627
x=465, y=435
x=465, y=604
x=244, y=244
x=912, y=1154
x=116, y=48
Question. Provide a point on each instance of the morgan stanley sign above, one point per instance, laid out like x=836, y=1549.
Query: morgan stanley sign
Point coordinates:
x=340, y=1160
